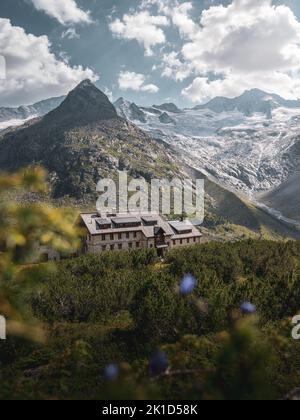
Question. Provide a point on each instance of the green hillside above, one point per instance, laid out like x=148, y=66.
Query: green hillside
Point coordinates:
x=120, y=307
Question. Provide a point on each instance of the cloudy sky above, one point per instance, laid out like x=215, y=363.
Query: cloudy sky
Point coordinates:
x=149, y=51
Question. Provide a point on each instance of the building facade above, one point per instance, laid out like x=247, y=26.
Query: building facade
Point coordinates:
x=126, y=232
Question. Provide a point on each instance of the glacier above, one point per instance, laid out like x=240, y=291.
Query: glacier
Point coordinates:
x=248, y=153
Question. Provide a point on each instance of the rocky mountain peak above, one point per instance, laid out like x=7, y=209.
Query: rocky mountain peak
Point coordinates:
x=121, y=101
x=85, y=104
x=169, y=107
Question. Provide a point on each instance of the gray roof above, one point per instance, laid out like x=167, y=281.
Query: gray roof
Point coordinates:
x=103, y=221
x=158, y=229
x=181, y=226
x=125, y=220
x=150, y=218
x=89, y=220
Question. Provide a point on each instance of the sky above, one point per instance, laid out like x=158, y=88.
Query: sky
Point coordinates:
x=149, y=51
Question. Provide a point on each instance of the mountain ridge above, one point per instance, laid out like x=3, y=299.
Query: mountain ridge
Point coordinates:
x=82, y=141
x=84, y=104
x=78, y=148
x=250, y=102
x=34, y=110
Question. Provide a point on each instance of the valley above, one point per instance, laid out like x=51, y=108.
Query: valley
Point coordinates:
x=242, y=148
x=243, y=155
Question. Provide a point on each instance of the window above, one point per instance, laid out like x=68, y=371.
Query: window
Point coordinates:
x=127, y=235
x=111, y=236
x=137, y=244
x=135, y=235
x=194, y=239
x=151, y=245
x=130, y=245
x=103, y=248
x=181, y=241
x=120, y=246
x=120, y=235
x=174, y=242
x=188, y=241
x=103, y=237
x=112, y=247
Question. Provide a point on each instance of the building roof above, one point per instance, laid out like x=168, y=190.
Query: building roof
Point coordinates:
x=149, y=219
x=90, y=221
x=181, y=227
x=103, y=222
x=120, y=220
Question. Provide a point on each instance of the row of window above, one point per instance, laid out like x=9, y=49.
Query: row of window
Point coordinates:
x=120, y=246
x=138, y=244
x=118, y=236
x=132, y=245
x=188, y=241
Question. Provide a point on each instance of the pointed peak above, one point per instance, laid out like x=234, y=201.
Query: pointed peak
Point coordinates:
x=85, y=104
x=121, y=101
x=87, y=87
x=85, y=83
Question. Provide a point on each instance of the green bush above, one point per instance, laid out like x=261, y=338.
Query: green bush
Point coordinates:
x=119, y=307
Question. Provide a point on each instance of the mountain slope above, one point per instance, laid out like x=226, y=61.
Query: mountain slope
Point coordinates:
x=250, y=102
x=285, y=198
x=129, y=110
x=15, y=116
x=226, y=209
x=250, y=154
x=169, y=107
x=82, y=141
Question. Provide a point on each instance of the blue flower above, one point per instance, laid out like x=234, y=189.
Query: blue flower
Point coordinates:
x=188, y=285
x=158, y=363
x=247, y=308
x=111, y=372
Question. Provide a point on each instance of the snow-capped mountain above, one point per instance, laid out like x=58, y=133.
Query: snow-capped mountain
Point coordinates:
x=168, y=107
x=17, y=116
x=250, y=143
x=130, y=111
x=247, y=143
x=250, y=102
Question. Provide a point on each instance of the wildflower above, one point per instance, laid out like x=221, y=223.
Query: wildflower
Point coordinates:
x=158, y=363
x=111, y=372
x=188, y=285
x=248, y=308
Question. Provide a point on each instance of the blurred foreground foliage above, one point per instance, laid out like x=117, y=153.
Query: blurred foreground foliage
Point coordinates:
x=85, y=328
x=23, y=230
x=107, y=314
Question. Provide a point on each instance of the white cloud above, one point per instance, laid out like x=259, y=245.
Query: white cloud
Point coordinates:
x=33, y=71
x=248, y=35
x=65, y=11
x=70, y=33
x=181, y=19
x=246, y=44
x=174, y=68
x=179, y=14
x=108, y=93
x=135, y=81
x=249, y=43
x=142, y=27
x=202, y=89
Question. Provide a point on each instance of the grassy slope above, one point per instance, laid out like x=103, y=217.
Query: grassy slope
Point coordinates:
x=286, y=198
x=243, y=216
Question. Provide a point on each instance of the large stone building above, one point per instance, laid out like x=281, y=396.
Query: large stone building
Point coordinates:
x=124, y=232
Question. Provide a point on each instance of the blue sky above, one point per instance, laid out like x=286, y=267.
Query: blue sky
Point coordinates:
x=149, y=51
